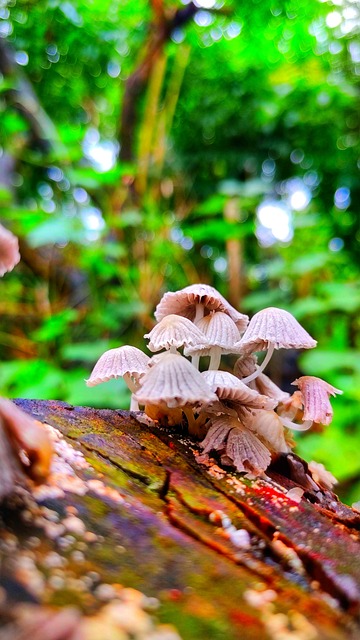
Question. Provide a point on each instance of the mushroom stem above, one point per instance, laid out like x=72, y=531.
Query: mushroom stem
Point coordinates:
x=195, y=360
x=260, y=369
x=130, y=383
x=215, y=358
x=173, y=349
x=199, y=312
x=134, y=405
x=190, y=420
x=296, y=427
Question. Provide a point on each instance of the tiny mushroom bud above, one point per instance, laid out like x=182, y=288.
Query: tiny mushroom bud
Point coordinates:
x=221, y=334
x=271, y=329
x=315, y=396
x=196, y=300
x=9, y=250
x=123, y=362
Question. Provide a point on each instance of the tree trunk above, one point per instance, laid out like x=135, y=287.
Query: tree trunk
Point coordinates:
x=131, y=505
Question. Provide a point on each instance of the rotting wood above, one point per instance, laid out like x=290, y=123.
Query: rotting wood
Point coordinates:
x=226, y=556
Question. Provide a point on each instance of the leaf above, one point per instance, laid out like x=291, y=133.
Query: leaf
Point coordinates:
x=59, y=229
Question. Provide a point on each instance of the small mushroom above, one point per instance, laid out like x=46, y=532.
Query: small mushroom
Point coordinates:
x=268, y=425
x=315, y=397
x=173, y=382
x=241, y=448
x=221, y=334
x=245, y=365
x=123, y=362
x=321, y=475
x=270, y=329
x=229, y=388
x=196, y=300
x=9, y=250
x=174, y=332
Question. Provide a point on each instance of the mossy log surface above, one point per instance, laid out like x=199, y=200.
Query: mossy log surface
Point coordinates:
x=227, y=556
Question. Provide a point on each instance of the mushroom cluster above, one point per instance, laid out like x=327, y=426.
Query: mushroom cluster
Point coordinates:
x=243, y=416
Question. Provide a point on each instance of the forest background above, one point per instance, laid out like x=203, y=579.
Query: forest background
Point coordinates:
x=149, y=145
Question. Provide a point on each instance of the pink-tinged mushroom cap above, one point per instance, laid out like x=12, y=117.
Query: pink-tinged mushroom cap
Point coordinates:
x=275, y=327
x=246, y=451
x=9, y=250
x=173, y=381
x=221, y=334
x=245, y=366
x=175, y=331
x=315, y=395
x=117, y=363
x=268, y=388
x=229, y=388
x=185, y=302
x=241, y=448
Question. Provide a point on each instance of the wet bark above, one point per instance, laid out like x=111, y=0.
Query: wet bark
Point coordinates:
x=227, y=556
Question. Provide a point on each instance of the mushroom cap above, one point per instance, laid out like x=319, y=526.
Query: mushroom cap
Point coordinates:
x=115, y=363
x=174, y=381
x=269, y=427
x=275, y=326
x=315, y=395
x=220, y=331
x=245, y=366
x=268, y=388
x=321, y=475
x=184, y=301
x=9, y=250
x=228, y=387
x=246, y=451
x=217, y=434
x=175, y=331
x=240, y=445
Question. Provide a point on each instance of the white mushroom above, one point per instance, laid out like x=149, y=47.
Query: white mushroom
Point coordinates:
x=221, y=335
x=123, y=362
x=174, y=332
x=240, y=446
x=229, y=388
x=268, y=425
x=270, y=329
x=196, y=300
x=173, y=382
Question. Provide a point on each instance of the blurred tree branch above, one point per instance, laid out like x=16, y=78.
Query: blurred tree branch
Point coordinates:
x=161, y=28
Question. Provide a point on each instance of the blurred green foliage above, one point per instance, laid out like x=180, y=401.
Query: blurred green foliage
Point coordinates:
x=149, y=145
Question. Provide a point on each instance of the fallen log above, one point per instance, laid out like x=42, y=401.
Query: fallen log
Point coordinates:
x=135, y=525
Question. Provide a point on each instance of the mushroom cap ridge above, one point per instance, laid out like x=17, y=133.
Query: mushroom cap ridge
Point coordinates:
x=175, y=331
x=174, y=381
x=115, y=363
x=275, y=326
x=184, y=301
